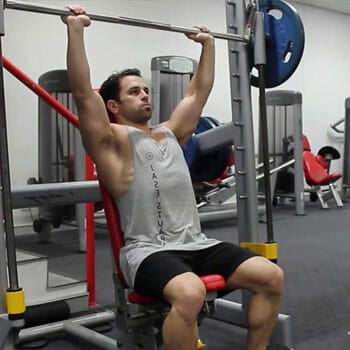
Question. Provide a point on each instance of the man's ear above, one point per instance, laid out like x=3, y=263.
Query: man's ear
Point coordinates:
x=113, y=106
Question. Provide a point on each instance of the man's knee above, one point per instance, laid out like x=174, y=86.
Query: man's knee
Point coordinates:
x=186, y=295
x=191, y=302
x=274, y=279
x=259, y=275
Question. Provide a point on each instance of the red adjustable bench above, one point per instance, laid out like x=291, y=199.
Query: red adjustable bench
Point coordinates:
x=318, y=177
x=138, y=316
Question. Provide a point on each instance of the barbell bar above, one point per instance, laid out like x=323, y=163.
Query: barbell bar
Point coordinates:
x=136, y=22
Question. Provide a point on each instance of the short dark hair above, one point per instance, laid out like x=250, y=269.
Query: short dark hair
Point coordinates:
x=110, y=88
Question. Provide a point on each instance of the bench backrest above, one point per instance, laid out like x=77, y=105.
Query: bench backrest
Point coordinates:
x=114, y=230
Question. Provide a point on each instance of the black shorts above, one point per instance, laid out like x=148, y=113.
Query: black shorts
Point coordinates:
x=160, y=267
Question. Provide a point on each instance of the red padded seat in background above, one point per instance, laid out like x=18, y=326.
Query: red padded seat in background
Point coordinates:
x=315, y=173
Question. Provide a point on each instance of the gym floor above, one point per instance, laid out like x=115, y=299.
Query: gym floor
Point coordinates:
x=314, y=251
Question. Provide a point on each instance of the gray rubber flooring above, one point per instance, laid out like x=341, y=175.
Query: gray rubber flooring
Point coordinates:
x=314, y=251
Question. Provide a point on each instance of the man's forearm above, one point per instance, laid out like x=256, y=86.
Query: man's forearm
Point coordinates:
x=77, y=63
x=202, y=81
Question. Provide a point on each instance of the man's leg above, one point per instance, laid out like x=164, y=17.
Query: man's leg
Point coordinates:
x=186, y=294
x=265, y=280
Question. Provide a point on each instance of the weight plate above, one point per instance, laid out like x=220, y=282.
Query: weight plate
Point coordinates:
x=285, y=41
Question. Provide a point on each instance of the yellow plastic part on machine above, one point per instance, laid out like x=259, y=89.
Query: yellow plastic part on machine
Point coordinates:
x=15, y=302
x=200, y=345
x=268, y=250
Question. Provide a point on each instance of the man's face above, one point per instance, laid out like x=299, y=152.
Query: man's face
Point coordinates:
x=134, y=105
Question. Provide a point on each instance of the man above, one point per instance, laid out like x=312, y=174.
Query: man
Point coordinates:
x=144, y=170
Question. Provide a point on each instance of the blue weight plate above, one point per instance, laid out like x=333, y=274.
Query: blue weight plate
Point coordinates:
x=285, y=41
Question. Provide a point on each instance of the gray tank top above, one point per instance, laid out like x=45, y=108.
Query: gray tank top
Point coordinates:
x=158, y=211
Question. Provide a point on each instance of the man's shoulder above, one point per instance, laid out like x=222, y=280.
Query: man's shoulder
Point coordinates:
x=164, y=127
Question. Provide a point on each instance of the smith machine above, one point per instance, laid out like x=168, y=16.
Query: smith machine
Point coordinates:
x=265, y=45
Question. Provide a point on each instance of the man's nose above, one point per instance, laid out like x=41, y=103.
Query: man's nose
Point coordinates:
x=144, y=95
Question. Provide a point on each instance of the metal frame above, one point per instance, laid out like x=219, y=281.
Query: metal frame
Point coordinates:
x=2, y=26
x=293, y=101
x=3, y=269
x=61, y=193
x=8, y=269
x=242, y=118
x=346, y=155
x=6, y=186
x=53, y=131
x=94, y=319
x=345, y=187
x=174, y=72
x=247, y=205
x=243, y=136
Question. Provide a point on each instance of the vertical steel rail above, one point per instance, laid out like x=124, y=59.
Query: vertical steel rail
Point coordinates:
x=260, y=62
x=242, y=117
x=6, y=342
x=3, y=270
x=14, y=295
x=346, y=156
x=6, y=188
x=298, y=154
x=2, y=25
x=3, y=263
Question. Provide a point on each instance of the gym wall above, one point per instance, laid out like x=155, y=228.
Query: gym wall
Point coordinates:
x=36, y=43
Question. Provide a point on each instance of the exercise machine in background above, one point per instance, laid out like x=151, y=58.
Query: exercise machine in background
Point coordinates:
x=288, y=143
x=284, y=120
x=61, y=157
x=286, y=48
x=318, y=175
x=344, y=135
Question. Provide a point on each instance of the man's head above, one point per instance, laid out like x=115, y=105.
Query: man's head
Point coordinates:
x=125, y=94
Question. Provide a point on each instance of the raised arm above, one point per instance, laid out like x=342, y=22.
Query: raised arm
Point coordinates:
x=183, y=120
x=94, y=124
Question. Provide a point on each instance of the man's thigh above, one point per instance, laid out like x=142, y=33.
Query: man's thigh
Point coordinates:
x=158, y=269
x=222, y=259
